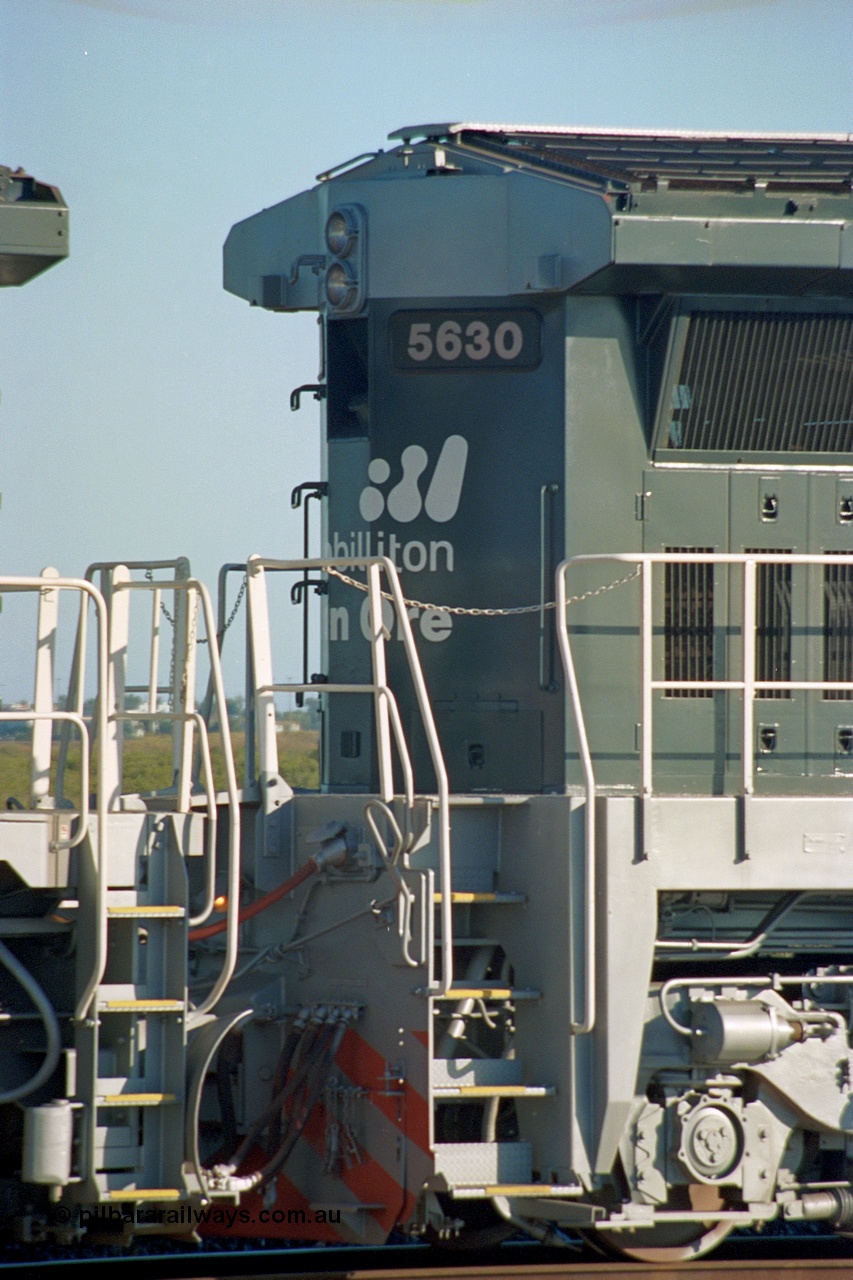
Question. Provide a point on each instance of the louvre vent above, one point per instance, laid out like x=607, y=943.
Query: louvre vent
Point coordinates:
x=837, y=628
x=689, y=624
x=764, y=382
x=773, y=626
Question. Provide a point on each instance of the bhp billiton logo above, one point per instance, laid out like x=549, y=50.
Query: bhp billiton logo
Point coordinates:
x=404, y=502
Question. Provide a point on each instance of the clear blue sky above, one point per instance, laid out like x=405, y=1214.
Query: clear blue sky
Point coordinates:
x=144, y=411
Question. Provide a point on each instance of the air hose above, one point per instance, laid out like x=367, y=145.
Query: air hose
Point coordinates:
x=51, y=1026
x=332, y=854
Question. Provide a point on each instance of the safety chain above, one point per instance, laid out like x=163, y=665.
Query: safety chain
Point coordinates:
x=232, y=615
x=459, y=611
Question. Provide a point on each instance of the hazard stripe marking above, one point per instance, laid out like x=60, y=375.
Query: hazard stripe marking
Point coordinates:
x=407, y=1109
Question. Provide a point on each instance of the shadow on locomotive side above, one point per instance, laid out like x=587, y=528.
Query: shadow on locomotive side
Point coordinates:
x=561, y=941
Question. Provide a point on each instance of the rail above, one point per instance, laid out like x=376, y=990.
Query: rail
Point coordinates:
x=48, y=585
x=50, y=718
x=748, y=685
x=195, y=590
x=387, y=716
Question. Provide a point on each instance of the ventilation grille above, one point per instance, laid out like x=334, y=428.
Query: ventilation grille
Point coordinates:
x=773, y=626
x=837, y=628
x=778, y=382
x=689, y=624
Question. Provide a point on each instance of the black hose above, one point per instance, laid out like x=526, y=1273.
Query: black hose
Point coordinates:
x=274, y=1107
x=279, y=1080
x=303, y=1113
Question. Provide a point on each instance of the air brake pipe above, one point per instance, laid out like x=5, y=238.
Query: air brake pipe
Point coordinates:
x=332, y=855
x=259, y=905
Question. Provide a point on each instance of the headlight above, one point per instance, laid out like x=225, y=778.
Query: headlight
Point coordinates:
x=346, y=260
x=341, y=285
x=341, y=233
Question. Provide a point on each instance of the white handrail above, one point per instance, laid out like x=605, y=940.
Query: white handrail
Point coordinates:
x=87, y=589
x=67, y=717
x=586, y=1024
x=385, y=703
x=379, y=691
x=210, y=796
x=233, y=874
x=748, y=685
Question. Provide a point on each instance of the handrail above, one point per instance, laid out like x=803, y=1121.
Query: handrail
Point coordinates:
x=75, y=688
x=233, y=873
x=210, y=795
x=385, y=703
x=378, y=690
x=588, y=1021
x=87, y=589
x=69, y=717
x=748, y=685
x=108, y=566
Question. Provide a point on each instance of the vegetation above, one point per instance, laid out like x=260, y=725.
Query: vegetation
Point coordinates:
x=147, y=763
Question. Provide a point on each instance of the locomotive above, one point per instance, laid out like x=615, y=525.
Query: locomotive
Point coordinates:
x=560, y=943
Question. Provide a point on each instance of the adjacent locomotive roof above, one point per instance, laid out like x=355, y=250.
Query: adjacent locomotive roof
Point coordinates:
x=631, y=159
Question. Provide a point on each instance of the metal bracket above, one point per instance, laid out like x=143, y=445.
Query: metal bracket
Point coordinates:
x=317, y=389
x=311, y=488
x=320, y=585
x=316, y=261
x=299, y=592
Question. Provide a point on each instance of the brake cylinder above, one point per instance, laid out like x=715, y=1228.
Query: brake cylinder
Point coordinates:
x=729, y=1031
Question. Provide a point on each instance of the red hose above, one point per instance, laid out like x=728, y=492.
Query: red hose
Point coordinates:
x=310, y=868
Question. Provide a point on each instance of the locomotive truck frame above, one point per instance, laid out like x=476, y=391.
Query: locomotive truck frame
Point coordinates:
x=562, y=941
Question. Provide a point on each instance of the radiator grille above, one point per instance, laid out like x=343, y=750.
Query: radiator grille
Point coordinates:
x=688, y=624
x=837, y=628
x=775, y=382
x=773, y=626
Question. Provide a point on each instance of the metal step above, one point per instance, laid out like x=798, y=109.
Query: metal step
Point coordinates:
x=109, y=1190
x=463, y=1092
x=125, y=1004
x=475, y=1071
x=469, y=800
x=467, y=1163
x=490, y=991
x=524, y=1190
x=134, y=1099
x=142, y=912
x=464, y=898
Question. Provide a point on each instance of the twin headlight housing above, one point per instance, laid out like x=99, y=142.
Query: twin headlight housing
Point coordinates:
x=345, y=271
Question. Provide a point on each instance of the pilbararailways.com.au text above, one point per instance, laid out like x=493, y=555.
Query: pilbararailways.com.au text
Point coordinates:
x=190, y=1216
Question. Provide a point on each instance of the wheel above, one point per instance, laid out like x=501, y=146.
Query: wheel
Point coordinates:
x=676, y=1241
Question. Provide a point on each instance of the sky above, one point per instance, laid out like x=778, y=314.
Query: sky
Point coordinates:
x=144, y=411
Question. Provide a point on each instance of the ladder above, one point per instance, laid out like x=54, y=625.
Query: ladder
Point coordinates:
x=133, y=1013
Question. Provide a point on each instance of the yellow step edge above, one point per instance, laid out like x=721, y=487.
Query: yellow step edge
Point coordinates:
x=494, y=1091
x=489, y=993
x=146, y=913
x=146, y=1193
x=528, y=1190
x=134, y=1099
x=461, y=898
x=142, y=1006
